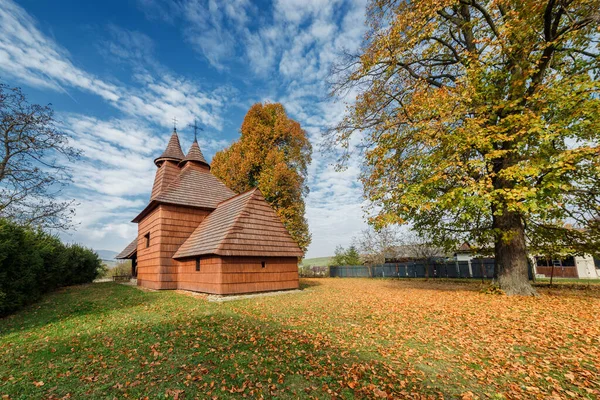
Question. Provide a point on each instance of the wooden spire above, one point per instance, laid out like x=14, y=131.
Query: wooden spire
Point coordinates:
x=173, y=151
x=195, y=155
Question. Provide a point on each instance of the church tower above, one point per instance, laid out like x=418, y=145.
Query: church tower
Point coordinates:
x=167, y=164
x=195, y=156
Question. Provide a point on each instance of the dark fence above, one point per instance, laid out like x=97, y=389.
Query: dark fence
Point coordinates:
x=479, y=268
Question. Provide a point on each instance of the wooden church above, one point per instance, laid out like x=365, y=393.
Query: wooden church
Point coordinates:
x=196, y=234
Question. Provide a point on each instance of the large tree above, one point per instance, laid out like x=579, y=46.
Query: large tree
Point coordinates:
x=33, y=157
x=480, y=121
x=273, y=154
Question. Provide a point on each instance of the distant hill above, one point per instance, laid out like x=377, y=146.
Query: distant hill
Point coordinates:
x=317, y=262
x=107, y=255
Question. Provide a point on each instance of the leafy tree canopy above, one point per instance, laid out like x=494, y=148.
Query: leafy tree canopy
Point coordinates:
x=273, y=154
x=480, y=123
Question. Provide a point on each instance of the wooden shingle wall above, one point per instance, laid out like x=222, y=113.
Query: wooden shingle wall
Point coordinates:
x=207, y=280
x=246, y=275
x=236, y=275
x=169, y=227
x=165, y=174
x=148, y=260
x=195, y=186
x=244, y=225
x=258, y=231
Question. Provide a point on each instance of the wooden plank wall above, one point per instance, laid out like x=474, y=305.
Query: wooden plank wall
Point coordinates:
x=148, y=256
x=235, y=275
x=559, y=272
x=177, y=225
x=207, y=280
x=245, y=274
x=169, y=227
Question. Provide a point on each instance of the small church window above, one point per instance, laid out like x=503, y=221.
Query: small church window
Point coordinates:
x=263, y=264
x=147, y=236
x=197, y=263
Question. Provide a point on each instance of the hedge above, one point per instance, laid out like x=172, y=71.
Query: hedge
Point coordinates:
x=33, y=262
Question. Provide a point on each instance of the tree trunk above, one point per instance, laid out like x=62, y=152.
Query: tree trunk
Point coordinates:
x=511, y=255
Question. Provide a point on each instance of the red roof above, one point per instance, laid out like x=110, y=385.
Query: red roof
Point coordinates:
x=465, y=247
x=244, y=225
x=173, y=150
x=128, y=251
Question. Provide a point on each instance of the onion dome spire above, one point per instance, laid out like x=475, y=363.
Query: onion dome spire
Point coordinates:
x=173, y=151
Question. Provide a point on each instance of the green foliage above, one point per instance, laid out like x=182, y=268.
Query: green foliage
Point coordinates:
x=33, y=262
x=480, y=123
x=121, y=269
x=347, y=256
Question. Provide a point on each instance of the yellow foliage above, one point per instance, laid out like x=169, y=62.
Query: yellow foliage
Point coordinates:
x=272, y=154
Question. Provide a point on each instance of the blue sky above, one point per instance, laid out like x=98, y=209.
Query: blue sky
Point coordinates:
x=117, y=72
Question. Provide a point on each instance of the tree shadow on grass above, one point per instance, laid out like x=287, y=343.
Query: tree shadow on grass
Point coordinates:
x=306, y=283
x=580, y=289
x=179, y=343
x=72, y=302
x=571, y=290
x=437, y=284
x=192, y=351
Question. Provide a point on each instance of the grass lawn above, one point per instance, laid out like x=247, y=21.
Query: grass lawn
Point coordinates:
x=344, y=338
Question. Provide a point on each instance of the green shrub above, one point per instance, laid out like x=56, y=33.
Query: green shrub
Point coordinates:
x=121, y=269
x=33, y=262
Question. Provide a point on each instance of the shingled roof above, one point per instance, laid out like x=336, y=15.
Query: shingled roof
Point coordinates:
x=244, y=225
x=195, y=187
x=128, y=251
x=195, y=154
x=173, y=150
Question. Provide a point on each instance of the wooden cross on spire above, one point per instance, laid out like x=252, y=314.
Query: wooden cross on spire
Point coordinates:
x=175, y=124
x=196, y=127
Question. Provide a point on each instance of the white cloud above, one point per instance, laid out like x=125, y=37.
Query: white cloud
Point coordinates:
x=207, y=29
x=116, y=155
x=113, y=180
x=290, y=46
x=29, y=56
x=295, y=45
x=104, y=221
x=26, y=54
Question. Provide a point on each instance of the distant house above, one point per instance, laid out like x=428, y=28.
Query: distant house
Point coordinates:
x=583, y=267
x=196, y=234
